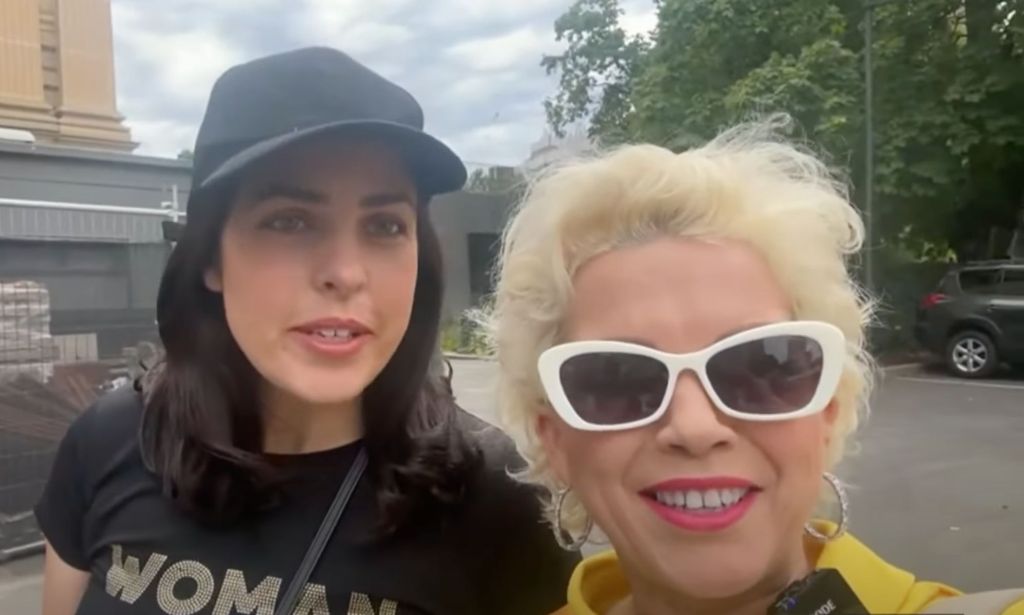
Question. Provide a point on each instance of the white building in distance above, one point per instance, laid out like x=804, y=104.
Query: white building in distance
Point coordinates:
x=551, y=149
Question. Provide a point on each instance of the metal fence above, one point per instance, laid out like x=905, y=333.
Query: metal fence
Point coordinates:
x=48, y=374
x=78, y=287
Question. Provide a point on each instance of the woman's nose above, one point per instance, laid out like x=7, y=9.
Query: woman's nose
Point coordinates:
x=340, y=267
x=692, y=423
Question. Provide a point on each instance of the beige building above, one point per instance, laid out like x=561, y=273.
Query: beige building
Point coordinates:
x=57, y=73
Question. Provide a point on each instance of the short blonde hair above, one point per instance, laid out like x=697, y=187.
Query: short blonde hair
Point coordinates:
x=749, y=184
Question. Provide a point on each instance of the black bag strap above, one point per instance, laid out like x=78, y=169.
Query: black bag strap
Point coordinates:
x=316, y=548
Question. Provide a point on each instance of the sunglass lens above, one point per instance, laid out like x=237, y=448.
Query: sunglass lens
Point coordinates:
x=775, y=375
x=612, y=388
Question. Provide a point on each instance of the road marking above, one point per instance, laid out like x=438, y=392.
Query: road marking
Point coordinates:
x=967, y=383
x=901, y=367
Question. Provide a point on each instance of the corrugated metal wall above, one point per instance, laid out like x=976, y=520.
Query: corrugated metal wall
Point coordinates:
x=21, y=222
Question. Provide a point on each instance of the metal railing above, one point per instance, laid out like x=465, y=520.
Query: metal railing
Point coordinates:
x=58, y=353
x=169, y=210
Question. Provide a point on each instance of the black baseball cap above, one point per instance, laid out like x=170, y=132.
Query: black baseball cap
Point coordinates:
x=264, y=105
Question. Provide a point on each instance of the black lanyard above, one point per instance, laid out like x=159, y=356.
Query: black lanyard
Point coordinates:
x=316, y=548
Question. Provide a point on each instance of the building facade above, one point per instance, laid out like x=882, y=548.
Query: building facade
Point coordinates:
x=551, y=149
x=88, y=225
x=57, y=73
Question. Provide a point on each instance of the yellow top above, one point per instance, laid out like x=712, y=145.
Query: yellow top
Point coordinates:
x=598, y=582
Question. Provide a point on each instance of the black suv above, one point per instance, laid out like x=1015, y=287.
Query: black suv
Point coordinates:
x=975, y=319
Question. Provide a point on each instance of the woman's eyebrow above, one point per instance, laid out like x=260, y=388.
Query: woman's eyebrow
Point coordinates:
x=383, y=199
x=291, y=192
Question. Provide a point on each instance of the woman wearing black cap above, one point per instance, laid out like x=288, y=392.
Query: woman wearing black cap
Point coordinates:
x=299, y=313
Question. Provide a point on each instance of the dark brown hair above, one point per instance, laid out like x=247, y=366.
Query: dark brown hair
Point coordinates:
x=202, y=431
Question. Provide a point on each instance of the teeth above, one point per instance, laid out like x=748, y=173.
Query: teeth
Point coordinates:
x=342, y=334
x=696, y=500
x=731, y=496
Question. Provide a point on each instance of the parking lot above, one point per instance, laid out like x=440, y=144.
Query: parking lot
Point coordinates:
x=939, y=481
x=937, y=487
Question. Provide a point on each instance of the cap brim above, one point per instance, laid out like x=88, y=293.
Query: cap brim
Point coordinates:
x=435, y=167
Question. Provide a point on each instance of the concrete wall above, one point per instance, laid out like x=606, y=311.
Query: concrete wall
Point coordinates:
x=456, y=216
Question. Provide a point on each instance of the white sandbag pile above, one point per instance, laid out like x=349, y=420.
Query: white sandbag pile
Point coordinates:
x=26, y=346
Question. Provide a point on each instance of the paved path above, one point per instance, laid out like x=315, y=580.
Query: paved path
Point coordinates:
x=20, y=586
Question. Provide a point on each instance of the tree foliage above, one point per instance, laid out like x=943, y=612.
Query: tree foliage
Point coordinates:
x=948, y=99
x=596, y=73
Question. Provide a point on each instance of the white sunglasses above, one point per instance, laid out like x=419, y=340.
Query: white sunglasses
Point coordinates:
x=774, y=372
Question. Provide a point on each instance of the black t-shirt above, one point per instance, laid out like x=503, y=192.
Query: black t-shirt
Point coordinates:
x=103, y=512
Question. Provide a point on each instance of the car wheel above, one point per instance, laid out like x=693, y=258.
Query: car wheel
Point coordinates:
x=971, y=354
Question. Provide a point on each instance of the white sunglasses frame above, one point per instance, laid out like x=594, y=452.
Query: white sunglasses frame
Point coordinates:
x=829, y=337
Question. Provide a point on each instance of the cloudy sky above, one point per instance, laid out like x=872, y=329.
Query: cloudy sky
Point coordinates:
x=473, y=64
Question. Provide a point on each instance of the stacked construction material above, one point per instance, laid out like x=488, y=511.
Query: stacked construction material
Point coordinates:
x=26, y=346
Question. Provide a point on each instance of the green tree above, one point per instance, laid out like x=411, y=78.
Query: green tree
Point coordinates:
x=987, y=92
x=716, y=62
x=595, y=72
x=949, y=89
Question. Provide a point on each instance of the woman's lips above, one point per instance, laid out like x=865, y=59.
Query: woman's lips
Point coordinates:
x=332, y=345
x=704, y=519
x=333, y=337
x=702, y=504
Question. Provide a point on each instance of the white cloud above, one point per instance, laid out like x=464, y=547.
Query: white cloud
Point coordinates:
x=520, y=46
x=224, y=5
x=639, y=17
x=162, y=137
x=183, y=64
x=474, y=88
x=356, y=26
x=472, y=64
x=497, y=143
x=367, y=37
x=335, y=14
x=480, y=12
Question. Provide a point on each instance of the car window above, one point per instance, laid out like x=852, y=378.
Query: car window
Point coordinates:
x=980, y=281
x=1013, y=283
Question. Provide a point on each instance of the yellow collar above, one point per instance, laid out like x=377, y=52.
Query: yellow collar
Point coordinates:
x=598, y=582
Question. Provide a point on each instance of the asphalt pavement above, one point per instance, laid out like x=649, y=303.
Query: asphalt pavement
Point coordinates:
x=937, y=486
x=939, y=480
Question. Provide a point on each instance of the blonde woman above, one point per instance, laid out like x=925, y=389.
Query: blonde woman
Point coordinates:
x=682, y=361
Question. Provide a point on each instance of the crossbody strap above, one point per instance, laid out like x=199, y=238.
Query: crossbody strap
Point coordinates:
x=316, y=548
